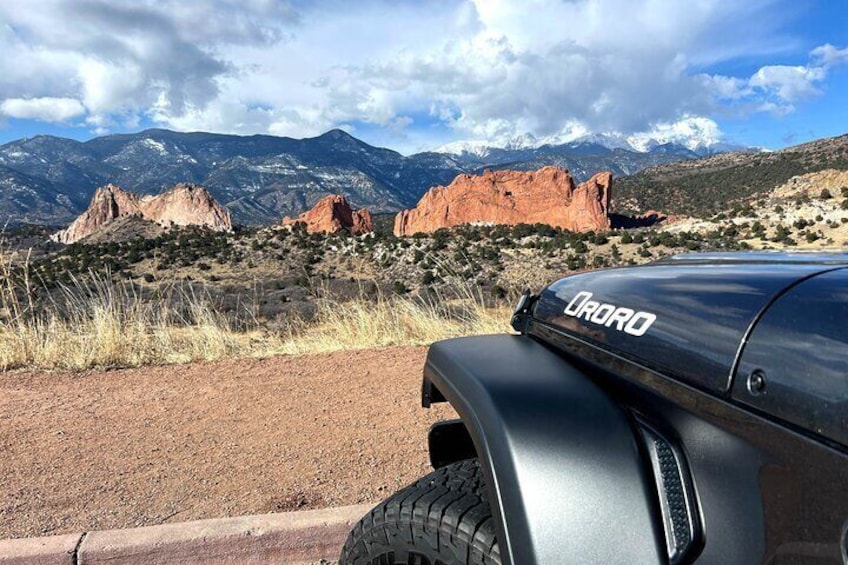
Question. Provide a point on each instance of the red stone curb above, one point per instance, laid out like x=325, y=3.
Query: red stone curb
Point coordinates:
x=293, y=538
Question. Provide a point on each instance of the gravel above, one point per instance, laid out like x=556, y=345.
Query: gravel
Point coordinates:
x=137, y=447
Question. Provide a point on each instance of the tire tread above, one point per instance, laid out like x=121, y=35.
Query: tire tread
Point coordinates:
x=442, y=518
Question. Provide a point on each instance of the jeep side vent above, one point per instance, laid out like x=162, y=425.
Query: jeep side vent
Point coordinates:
x=676, y=496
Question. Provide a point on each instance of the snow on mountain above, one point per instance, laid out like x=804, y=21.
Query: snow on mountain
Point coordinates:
x=697, y=134
x=483, y=148
x=262, y=178
x=694, y=133
x=608, y=140
x=478, y=148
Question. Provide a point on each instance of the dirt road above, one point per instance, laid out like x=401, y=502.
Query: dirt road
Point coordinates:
x=149, y=446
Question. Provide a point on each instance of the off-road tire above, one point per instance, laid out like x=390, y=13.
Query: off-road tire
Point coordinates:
x=442, y=519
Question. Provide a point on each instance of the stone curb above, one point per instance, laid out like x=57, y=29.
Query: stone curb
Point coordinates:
x=293, y=538
x=51, y=550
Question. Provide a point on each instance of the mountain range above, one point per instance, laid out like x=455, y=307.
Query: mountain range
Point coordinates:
x=700, y=146
x=261, y=178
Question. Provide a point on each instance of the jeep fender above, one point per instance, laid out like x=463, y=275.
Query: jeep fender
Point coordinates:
x=567, y=480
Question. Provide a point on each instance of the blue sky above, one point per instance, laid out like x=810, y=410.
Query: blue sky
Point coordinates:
x=418, y=75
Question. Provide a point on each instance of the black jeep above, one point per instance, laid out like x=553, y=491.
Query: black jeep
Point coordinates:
x=691, y=410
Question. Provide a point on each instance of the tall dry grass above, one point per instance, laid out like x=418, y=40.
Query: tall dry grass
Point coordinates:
x=387, y=320
x=99, y=322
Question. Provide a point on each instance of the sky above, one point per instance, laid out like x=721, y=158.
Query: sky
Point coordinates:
x=415, y=75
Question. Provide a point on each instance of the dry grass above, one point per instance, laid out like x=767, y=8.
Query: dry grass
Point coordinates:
x=102, y=323
x=99, y=323
x=393, y=320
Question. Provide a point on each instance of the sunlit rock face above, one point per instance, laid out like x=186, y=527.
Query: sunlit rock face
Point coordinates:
x=547, y=196
x=183, y=205
x=332, y=214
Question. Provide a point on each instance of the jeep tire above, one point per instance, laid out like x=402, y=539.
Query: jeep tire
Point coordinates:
x=442, y=519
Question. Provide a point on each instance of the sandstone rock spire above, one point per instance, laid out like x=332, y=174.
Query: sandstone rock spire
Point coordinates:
x=332, y=214
x=183, y=205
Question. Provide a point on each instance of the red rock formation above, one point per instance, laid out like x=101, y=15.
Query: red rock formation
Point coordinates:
x=108, y=204
x=187, y=205
x=183, y=205
x=332, y=214
x=546, y=196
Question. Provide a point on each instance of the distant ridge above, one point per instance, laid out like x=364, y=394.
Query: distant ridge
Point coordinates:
x=705, y=186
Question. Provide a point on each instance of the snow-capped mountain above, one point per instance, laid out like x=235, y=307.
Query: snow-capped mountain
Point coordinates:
x=477, y=148
x=482, y=148
x=608, y=140
x=48, y=179
x=699, y=135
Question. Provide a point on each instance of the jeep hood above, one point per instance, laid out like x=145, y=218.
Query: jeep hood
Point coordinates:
x=688, y=316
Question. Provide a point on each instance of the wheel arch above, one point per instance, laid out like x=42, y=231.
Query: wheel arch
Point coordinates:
x=566, y=477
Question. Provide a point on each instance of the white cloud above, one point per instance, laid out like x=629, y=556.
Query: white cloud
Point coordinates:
x=790, y=84
x=44, y=109
x=419, y=73
x=827, y=55
x=727, y=88
x=777, y=89
x=691, y=131
x=119, y=57
x=554, y=67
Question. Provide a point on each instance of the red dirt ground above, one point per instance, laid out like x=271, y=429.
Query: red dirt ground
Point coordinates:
x=138, y=447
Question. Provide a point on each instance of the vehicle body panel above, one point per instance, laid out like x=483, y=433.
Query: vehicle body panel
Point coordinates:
x=702, y=310
x=561, y=485
x=799, y=350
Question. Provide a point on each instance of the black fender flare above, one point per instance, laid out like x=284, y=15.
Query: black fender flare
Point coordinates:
x=566, y=478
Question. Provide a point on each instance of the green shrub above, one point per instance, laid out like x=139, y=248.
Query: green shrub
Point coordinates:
x=399, y=288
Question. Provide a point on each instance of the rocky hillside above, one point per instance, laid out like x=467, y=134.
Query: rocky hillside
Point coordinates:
x=547, y=196
x=809, y=211
x=705, y=186
x=260, y=178
x=183, y=205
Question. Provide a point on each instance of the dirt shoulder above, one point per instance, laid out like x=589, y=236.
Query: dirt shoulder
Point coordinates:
x=139, y=447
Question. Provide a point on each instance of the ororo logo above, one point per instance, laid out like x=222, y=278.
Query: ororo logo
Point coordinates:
x=627, y=320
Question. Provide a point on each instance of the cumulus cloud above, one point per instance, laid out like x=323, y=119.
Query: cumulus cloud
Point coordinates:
x=690, y=130
x=45, y=109
x=788, y=83
x=417, y=73
x=118, y=58
x=827, y=56
x=777, y=88
x=554, y=69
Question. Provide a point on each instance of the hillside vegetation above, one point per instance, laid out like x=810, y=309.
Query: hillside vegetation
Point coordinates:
x=704, y=187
